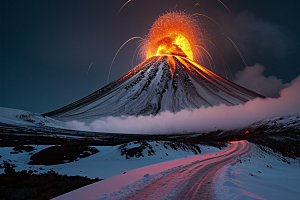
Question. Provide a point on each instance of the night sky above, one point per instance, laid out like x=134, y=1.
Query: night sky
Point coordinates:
x=47, y=46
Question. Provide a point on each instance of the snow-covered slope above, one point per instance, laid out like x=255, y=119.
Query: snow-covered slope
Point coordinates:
x=26, y=118
x=278, y=124
x=160, y=83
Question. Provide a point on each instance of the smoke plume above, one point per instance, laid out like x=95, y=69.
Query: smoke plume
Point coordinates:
x=207, y=119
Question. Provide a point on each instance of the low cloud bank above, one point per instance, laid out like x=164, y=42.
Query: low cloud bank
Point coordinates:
x=202, y=119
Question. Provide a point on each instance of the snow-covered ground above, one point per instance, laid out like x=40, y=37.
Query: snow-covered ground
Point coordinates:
x=259, y=176
x=104, y=164
x=163, y=180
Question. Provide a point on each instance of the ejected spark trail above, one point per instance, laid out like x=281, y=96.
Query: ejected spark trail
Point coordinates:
x=89, y=68
x=238, y=50
x=242, y=57
x=123, y=6
x=209, y=56
x=198, y=14
x=117, y=54
x=197, y=4
x=224, y=6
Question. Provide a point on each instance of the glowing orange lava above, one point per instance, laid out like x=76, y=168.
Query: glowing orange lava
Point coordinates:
x=174, y=33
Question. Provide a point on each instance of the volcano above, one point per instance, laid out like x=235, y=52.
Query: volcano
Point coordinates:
x=160, y=83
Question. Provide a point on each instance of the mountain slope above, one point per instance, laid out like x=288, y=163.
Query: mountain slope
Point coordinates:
x=160, y=83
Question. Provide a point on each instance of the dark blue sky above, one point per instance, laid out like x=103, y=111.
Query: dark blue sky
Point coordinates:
x=48, y=45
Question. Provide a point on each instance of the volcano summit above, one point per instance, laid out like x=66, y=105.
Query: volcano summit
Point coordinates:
x=160, y=83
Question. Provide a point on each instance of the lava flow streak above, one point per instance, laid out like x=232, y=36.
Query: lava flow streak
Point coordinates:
x=188, y=178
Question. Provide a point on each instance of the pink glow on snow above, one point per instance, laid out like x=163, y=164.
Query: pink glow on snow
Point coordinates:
x=250, y=194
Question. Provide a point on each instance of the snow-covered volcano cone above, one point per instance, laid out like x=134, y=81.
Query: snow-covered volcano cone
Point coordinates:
x=158, y=84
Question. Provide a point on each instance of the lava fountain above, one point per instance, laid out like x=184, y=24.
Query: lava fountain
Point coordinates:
x=174, y=33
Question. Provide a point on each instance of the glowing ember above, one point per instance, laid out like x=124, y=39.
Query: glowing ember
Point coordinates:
x=174, y=33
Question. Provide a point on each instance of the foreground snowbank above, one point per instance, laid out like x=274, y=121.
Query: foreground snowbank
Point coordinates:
x=107, y=163
x=131, y=182
x=259, y=176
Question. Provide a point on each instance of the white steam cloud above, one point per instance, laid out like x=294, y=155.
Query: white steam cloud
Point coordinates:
x=253, y=79
x=207, y=119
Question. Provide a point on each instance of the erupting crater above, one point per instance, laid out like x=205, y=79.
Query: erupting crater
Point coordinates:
x=174, y=33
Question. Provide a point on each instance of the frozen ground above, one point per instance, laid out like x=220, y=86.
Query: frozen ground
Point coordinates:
x=106, y=163
x=259, y=176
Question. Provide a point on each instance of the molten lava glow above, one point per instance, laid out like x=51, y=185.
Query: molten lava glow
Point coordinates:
x=175, y=45
x=174, y=33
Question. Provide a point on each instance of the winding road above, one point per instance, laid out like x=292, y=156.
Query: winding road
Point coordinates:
x=188, y=178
